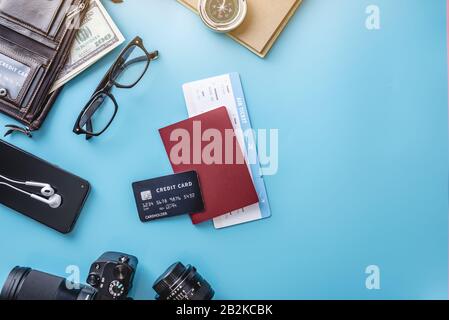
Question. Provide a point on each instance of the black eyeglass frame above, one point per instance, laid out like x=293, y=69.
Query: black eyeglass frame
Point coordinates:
x=107, y=83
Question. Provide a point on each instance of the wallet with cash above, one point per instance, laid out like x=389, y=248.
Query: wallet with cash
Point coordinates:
x=35, y=41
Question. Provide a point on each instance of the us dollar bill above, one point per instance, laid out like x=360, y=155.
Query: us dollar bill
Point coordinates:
x=98, y=35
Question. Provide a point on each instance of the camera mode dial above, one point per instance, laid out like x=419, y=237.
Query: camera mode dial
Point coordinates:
x=116, y=289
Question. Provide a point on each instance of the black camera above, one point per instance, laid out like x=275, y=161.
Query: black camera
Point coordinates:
x=182, y=283
x=110, y=278
x=112, y=275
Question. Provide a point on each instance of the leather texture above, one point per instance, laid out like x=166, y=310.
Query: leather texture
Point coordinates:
x=35, y=41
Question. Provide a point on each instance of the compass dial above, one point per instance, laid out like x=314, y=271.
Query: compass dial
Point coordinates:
x=222, y=11
x=223, y=15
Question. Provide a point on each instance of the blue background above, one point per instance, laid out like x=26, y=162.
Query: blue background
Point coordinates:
x=363, y=156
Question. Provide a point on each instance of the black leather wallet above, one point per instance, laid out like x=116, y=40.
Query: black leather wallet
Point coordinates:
x=35, y=41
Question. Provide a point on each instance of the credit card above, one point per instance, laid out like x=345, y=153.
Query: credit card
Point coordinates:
x=13, y=75
x=168, y=196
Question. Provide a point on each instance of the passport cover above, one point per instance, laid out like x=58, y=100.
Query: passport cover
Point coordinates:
x=225, y=187
x=264, y=24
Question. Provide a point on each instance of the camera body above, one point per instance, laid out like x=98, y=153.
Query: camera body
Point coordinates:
x=112, y=275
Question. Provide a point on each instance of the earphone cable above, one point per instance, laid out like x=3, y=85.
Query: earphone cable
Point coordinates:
x=11, y=180
x=15, y=188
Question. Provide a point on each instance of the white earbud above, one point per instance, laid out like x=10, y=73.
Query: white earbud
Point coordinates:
x=46, y=190
x=54, y=201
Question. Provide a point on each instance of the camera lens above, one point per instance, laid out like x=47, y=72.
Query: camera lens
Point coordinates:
x=28, y=284
x=182, y=283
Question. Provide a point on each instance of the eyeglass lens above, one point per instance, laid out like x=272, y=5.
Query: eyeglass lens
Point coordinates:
x=100, y=112
x=131, y=66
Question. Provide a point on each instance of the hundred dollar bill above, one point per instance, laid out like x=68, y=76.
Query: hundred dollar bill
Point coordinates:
x=98, y=35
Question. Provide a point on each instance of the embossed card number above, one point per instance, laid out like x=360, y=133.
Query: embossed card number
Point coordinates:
x=13, y=76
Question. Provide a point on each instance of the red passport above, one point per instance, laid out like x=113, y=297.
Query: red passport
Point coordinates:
x=208, y=145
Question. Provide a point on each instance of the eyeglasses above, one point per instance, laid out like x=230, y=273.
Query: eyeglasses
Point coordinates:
x=125, y=73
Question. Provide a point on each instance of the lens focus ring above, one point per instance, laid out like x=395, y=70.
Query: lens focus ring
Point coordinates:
x=182, y=283
x=169, y=278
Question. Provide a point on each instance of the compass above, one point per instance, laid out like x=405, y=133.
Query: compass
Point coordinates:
x=223, y=15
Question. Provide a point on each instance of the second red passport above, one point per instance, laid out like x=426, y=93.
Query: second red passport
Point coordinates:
x=207, y=144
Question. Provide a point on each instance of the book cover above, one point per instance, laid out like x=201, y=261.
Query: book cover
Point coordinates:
x=264, y=23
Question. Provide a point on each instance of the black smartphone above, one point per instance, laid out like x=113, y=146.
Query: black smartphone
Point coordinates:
x=17, y=167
